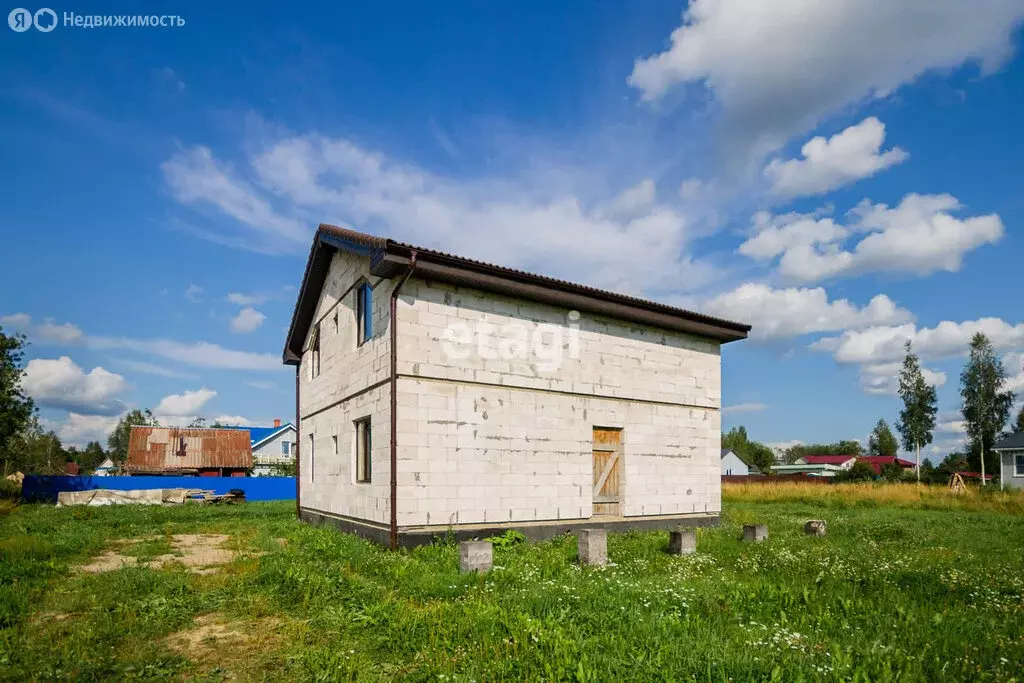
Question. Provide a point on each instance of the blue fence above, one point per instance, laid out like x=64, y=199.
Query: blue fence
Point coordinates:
x=44, y=488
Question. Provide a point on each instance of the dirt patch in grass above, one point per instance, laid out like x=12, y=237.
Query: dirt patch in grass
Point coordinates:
x=200, y=553
x=213, y=637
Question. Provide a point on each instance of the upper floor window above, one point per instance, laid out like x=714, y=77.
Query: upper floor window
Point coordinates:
x=314, y=353
x=364, y=313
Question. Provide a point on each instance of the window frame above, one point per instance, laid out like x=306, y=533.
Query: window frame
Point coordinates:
x=1018, y=470
x=286, y=447
x=363, y=450
x=364, y=313
x=314, y=353
x=312, y=456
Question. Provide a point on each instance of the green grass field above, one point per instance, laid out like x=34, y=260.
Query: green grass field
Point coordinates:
x=890, y=593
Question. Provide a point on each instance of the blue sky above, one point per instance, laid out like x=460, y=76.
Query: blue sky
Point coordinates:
x=843, y=178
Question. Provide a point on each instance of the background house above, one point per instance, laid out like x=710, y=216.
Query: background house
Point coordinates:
x=1011, y=461
x=188, y=451
x=734, y=465
x=273, y=448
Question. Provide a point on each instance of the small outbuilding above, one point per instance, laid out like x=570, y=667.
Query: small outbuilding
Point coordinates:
x=1011, y=461
x=437, y=393
x=735, y=466
x=188, y=451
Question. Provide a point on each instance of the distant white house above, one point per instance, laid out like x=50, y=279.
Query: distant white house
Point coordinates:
x=105, y=469
x=272, y=447
x=733, y=465
x=1011, y=461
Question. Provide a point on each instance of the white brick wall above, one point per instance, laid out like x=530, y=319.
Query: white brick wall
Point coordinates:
x=331, y=402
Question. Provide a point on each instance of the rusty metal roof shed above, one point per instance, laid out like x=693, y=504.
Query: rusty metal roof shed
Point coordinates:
x=174, y=449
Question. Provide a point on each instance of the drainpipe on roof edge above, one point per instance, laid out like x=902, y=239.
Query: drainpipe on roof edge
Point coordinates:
x=393, y=322
x=298, y=445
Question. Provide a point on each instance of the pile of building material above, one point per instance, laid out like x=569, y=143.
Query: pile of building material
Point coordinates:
x=147, y=497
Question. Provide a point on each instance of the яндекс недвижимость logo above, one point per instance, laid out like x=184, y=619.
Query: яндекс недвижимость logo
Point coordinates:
x=21, y=20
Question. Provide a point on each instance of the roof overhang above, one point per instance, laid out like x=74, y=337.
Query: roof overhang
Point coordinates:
x=389, y=259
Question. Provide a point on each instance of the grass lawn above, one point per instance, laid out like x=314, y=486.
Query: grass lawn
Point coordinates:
x=890, y=593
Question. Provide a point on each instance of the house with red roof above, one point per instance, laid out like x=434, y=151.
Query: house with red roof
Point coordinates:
x=877, y=462
x=831, y=465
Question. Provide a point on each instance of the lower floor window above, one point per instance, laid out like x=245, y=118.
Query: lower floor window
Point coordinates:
x=363, y=446
x=1018, y=465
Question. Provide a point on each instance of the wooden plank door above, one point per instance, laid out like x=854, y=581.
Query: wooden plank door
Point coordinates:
x=607, y=470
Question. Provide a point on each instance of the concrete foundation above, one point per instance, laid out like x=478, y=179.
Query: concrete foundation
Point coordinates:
x=592, y=545
x=755, y=533
x=682, y=542
x=815, y=527
x=476, y=556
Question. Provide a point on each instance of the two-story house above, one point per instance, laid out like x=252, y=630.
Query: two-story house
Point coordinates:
x=439, y=393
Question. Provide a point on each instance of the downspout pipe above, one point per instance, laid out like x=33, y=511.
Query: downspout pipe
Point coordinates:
x=298, y=446
x=393, y=322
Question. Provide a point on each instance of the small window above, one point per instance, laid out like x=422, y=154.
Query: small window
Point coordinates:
x=1018, y=465
x=312, y=465
x=335, y=438
x=314, y=353
x=364, y=313
x=363, y=446
x=335, y=321
x=286, y=448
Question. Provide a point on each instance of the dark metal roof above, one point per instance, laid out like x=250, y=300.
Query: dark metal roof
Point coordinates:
x=169, y=449
x=1012, y=442
x=389, y=258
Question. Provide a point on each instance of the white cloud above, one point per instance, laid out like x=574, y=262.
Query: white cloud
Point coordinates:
x=775, y=235
x=827, y=164
x=187, y=404
x=240, y=299
x=197, y=354
x=194, y=293
x=745, y=408
x=233, y=421
x=247, y=320
x=543, y=221
x=776, y=69
x=18, y=321
x=946, y=340
x=78, y=430
x=60, y=383
x=920, y=236
x=951, y=426
x=783, y=313
x=195, y=178
x=882, y=379
x=1014, y=364
x=152, y=369
x=263, y=385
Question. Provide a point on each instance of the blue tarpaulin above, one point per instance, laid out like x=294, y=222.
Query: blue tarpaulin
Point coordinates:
x=44, y=488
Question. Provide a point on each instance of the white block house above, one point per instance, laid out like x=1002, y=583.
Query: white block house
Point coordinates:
x=436, y=392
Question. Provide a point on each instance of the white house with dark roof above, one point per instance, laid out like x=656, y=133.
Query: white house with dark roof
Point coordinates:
x=438, y=393
x=1011, y=461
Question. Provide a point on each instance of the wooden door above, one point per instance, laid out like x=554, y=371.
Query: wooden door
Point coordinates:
x=607, y=470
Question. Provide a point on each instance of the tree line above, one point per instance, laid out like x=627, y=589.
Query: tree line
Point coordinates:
x=986, y=405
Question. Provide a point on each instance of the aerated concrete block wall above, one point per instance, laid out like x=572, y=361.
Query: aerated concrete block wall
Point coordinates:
x=489, y=439
x=352, y=385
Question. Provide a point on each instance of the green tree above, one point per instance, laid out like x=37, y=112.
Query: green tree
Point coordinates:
x=198, y=423
x=847, y=447
x=882, y=441
x=861, y=471
x=1018, y=425
x=16, y=408
x=91, y=457
x=986, y=406
x=917, y=419
x=117, y=444
x=36, y=451
x=750, y=452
